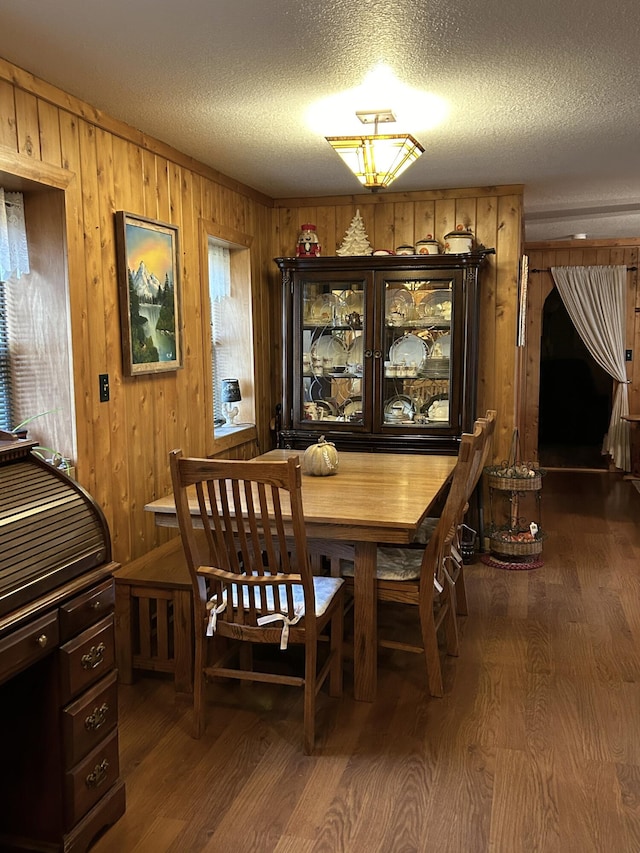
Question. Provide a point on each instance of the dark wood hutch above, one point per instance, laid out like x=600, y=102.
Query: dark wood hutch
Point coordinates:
x=380, y=353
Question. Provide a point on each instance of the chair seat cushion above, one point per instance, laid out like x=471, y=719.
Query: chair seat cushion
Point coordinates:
x=392, y=564
x=324, y=589
x=425, y=531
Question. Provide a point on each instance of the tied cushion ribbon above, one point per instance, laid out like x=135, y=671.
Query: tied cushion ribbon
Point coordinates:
x=214, y=609
x=287, y=623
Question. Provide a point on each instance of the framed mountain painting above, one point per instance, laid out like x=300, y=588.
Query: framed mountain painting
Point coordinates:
x=149, y=286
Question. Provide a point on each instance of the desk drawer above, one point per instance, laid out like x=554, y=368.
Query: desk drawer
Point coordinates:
x=27, y=645
x=85, y=609
x=90, y=780
x=86, y=658
x=89, y=719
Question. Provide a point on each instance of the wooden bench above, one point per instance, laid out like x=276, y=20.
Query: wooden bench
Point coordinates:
x=154, y=616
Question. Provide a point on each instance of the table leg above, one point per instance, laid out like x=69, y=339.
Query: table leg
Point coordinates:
x=365, y=640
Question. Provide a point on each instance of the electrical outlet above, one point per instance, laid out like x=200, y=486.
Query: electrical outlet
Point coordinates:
x=628, y=355
x=103, y=379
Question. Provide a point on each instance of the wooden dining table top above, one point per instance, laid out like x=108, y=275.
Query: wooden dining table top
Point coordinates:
x=378, y=497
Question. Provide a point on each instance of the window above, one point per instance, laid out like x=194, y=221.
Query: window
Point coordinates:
x=35, y=339
x=6, y=419
x=230, y=325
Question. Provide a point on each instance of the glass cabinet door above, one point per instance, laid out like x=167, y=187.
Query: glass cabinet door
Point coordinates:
x=331, y=354
x=417, y=346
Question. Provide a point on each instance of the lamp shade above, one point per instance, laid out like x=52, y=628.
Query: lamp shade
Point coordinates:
x=376, y=161
x=231, y=391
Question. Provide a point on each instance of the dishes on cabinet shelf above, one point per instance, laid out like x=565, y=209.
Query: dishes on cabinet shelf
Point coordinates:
x=355, y=355
x=441, y=347
x=399, y=306
x=328, y=351
x=409, y=349
x=436, y=306
x=327, y=309
x=320, y=410
x=436, y=368
x=327, y=410
x=354, y=300
x=352, y=408
x=398, y=409
x=438, y=409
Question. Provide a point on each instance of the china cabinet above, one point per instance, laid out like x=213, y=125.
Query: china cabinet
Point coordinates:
x=380, y=352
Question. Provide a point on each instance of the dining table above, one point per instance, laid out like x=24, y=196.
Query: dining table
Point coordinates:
x=372, y=498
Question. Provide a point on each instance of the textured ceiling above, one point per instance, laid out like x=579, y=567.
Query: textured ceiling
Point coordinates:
x=543, y=94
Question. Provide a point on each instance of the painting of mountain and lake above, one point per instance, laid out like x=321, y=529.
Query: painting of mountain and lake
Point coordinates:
x=149, y=294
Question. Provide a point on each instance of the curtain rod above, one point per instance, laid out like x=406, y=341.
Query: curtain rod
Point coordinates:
x=548, y=269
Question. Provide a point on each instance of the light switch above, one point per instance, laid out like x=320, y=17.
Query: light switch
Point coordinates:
x=103, y=379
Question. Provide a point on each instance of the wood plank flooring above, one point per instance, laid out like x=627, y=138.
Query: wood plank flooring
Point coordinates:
x=535, y=745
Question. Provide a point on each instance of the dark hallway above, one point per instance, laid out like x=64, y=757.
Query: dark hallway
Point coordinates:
x=575, y=395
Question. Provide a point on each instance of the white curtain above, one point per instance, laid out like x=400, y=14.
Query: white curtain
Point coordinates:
x=595, y=298
x=14, y=255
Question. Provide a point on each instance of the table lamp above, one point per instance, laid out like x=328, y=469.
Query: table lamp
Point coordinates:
x=230, y=395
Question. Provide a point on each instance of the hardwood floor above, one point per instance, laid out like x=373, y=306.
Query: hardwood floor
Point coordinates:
x=535, y=745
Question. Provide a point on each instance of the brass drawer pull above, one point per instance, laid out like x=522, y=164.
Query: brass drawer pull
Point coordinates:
x=95, y=779
x=99, y=717
x=42, y=641
x=95, y=657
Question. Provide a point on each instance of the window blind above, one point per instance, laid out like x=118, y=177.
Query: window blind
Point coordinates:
x=5, y=372
x=219, y=292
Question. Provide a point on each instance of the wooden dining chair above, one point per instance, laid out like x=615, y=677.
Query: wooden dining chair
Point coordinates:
x=251, y=576
x=425, y=578
x=486, y=425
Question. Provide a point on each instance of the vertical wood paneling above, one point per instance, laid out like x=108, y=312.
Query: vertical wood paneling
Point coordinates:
x=8, y=130
x=116, y=179
x=140, y=391
x=94, y=294
x=155, y=183
x=424, y=220
x=49, y=133
x=404, y=223
x=466, y=214
x=504, y=391
x=27, y=124
x=70, y=152
x=445, y=216
x=486, y=234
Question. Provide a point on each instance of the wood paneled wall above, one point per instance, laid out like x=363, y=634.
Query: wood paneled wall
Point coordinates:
x=494, y=215
x=123, y=445
x=556, y=253
x=102, y=165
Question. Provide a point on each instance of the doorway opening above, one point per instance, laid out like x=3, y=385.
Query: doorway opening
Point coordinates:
x=575, y=395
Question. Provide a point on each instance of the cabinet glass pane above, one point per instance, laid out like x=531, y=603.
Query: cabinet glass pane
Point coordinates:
x=332, y=352
x=418, y=352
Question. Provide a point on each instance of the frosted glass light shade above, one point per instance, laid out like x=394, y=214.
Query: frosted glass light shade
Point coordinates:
x=376, y=161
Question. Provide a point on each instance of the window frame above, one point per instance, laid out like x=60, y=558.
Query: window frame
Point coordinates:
x=239, y=244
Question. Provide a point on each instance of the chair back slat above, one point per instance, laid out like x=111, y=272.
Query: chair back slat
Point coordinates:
x=438, y=549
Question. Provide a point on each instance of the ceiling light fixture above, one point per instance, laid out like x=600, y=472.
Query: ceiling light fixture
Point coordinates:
x=377, y=160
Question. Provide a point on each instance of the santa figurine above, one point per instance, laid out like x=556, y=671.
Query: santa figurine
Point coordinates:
x=308, y=245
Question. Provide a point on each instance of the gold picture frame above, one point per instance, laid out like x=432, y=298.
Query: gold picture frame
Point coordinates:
x=149, y=288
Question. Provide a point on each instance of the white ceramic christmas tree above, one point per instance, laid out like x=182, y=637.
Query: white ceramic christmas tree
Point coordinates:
x=355, y=240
